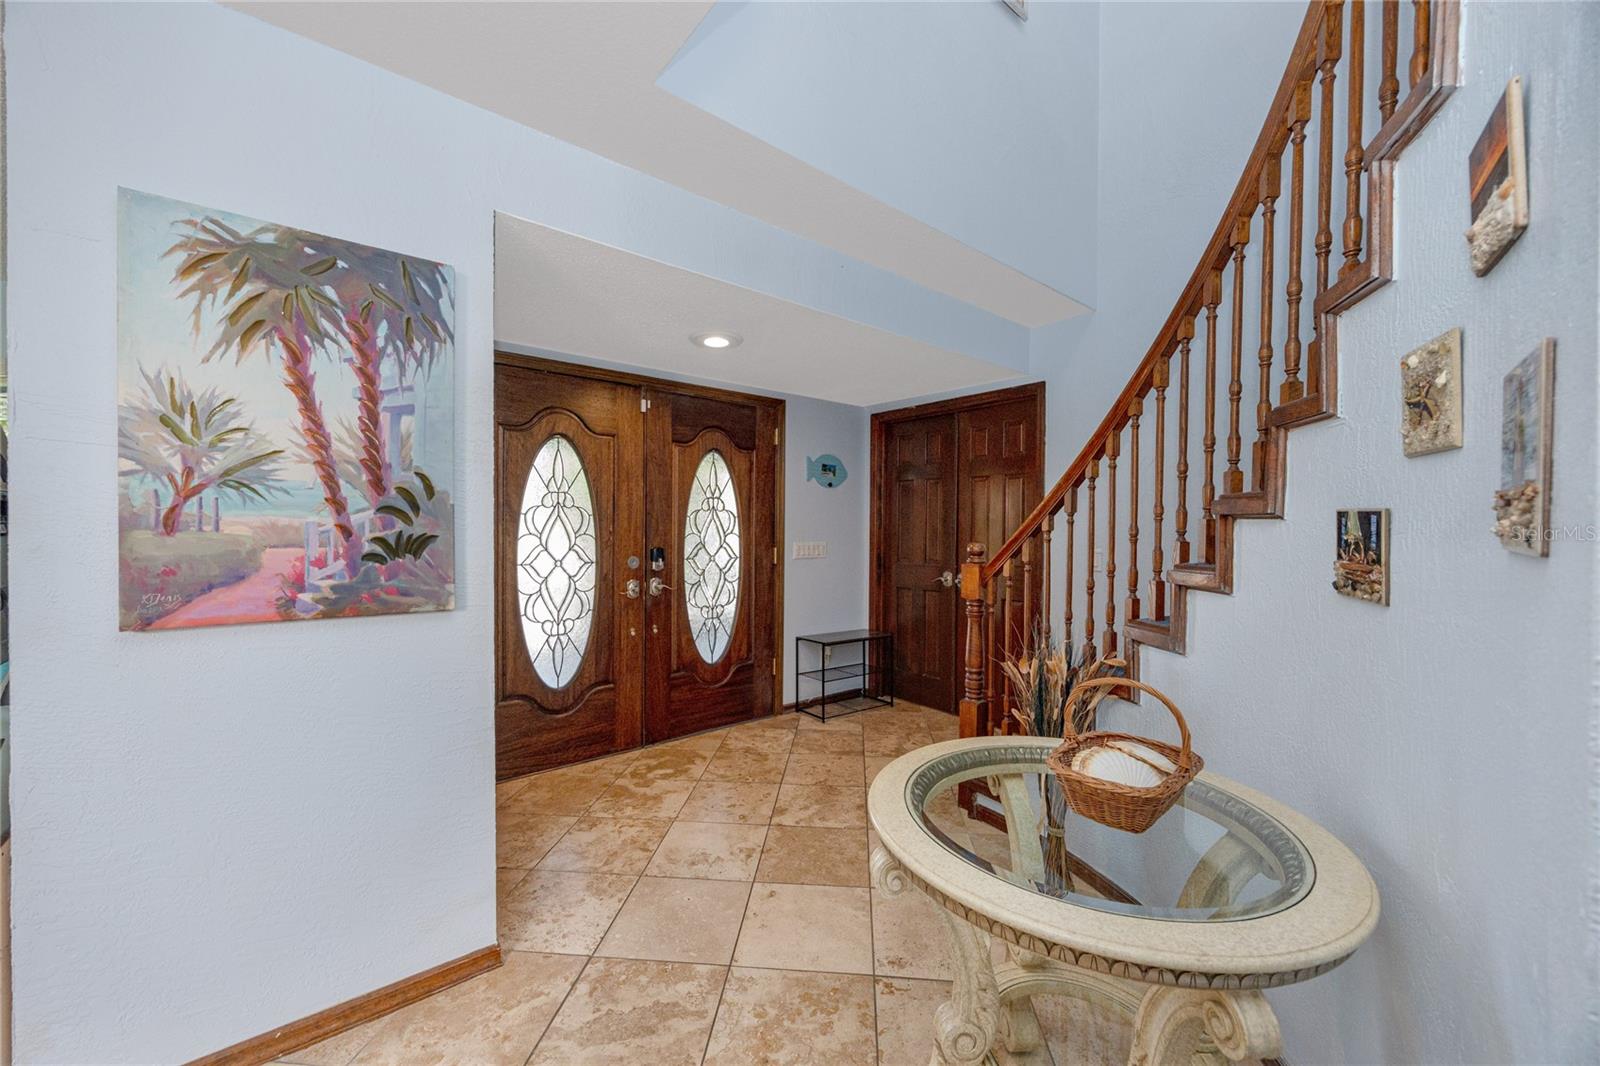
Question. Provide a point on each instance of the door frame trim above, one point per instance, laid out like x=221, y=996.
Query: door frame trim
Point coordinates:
x=882, y=422
x=778, y=408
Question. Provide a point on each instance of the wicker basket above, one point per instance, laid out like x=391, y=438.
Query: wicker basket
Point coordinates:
x=1132, y=808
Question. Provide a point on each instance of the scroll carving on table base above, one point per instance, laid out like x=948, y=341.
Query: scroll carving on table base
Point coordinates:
x=1175, y=1023
x=989, y=1005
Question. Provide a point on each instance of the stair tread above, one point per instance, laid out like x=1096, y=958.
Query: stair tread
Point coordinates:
x=1253, y=504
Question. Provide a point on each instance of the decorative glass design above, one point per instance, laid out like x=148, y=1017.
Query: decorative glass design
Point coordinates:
x=711, y=557
x=556, y=562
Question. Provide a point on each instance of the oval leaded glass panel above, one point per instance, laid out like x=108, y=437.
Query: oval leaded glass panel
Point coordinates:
x=556, y=561
x=711, y=557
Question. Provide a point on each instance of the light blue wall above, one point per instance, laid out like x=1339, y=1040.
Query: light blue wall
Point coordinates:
x=1183, y=91
x=215, y=831
x=959, y=114
x=824, y=595
x=1449, y=738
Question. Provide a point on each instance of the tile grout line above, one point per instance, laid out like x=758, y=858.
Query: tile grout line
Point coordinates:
x=699, y=778
x=557, y=1012
x=727, y=974
x=591, y=956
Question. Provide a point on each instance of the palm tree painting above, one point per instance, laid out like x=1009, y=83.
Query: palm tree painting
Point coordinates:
x=285, y=430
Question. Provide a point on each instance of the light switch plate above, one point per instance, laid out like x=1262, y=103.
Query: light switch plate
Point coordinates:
x=810, y=549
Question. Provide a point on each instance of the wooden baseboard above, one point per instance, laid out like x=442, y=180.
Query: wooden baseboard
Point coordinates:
x=353, y=1012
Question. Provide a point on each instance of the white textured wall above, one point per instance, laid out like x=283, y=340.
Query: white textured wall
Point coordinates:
x=1449, y=739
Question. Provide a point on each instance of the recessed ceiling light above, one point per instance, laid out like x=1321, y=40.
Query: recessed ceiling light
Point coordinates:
x=717, y=340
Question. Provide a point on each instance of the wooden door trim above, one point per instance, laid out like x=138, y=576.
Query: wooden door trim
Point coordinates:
x=770, y=409
x=882, y=422
x=625, y=377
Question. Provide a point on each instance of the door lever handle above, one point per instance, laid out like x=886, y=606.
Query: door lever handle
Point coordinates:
x=631, y=589
x=657, y=585
x=947, y=579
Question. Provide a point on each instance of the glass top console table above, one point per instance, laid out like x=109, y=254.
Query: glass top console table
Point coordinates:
x=1181, y=927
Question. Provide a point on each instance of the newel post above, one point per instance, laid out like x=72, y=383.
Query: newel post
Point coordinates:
x=974, y=709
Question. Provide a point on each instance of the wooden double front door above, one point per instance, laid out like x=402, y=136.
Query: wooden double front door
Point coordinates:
x=945, y=475
x=636, y=573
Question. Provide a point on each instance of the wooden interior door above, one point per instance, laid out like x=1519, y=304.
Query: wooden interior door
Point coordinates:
x=946, y=475
x=569, y=513
x=924, y=558
x=999, y=480
x=711, y=524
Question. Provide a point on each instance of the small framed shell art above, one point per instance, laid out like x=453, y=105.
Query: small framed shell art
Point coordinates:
x=1361, y=561
x=1522, y=503
x=1430, y=392
x=1497, y=172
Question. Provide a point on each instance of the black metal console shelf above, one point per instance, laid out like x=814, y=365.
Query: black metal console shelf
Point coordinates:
x=874, y=670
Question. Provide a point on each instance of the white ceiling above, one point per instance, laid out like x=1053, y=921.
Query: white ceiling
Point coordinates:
x=567, y=294
x=585, y=72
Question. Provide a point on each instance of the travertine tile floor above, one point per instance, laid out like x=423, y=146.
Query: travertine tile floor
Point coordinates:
x=702, y=901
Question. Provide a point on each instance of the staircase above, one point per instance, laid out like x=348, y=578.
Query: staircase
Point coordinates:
x=1307, y=234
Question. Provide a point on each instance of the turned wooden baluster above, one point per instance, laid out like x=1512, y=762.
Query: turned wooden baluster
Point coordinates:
x=1072, y=516
x=1271, y=184
x=1329, y=51
x=1389, y=85
x=1233, y=477
x=1025, y=636
x=1181, y=521
x=1158, y=590
x=1208, y=493
x=1422, y=40
x=1355, y=153
x=996, y=685
x=1108, y=640
x=1300, y=113
x=974, y=705
x=1089, y=566
x=1044, y=579
x=1130, y=609
x=1008, y=600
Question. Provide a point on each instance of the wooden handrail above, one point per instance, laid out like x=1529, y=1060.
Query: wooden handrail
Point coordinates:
x=1327, y=63
x=1318, y=40
x=1216, y=253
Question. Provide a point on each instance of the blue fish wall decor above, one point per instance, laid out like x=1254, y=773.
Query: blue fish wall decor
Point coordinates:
x=826, y=470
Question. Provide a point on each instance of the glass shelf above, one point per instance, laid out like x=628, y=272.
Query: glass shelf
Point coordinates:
x=843, y=671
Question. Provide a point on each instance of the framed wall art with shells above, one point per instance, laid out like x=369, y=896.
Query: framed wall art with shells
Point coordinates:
x=1497, y=172
x=1522, y=503
x=1430, y=391
x=1361, y=561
